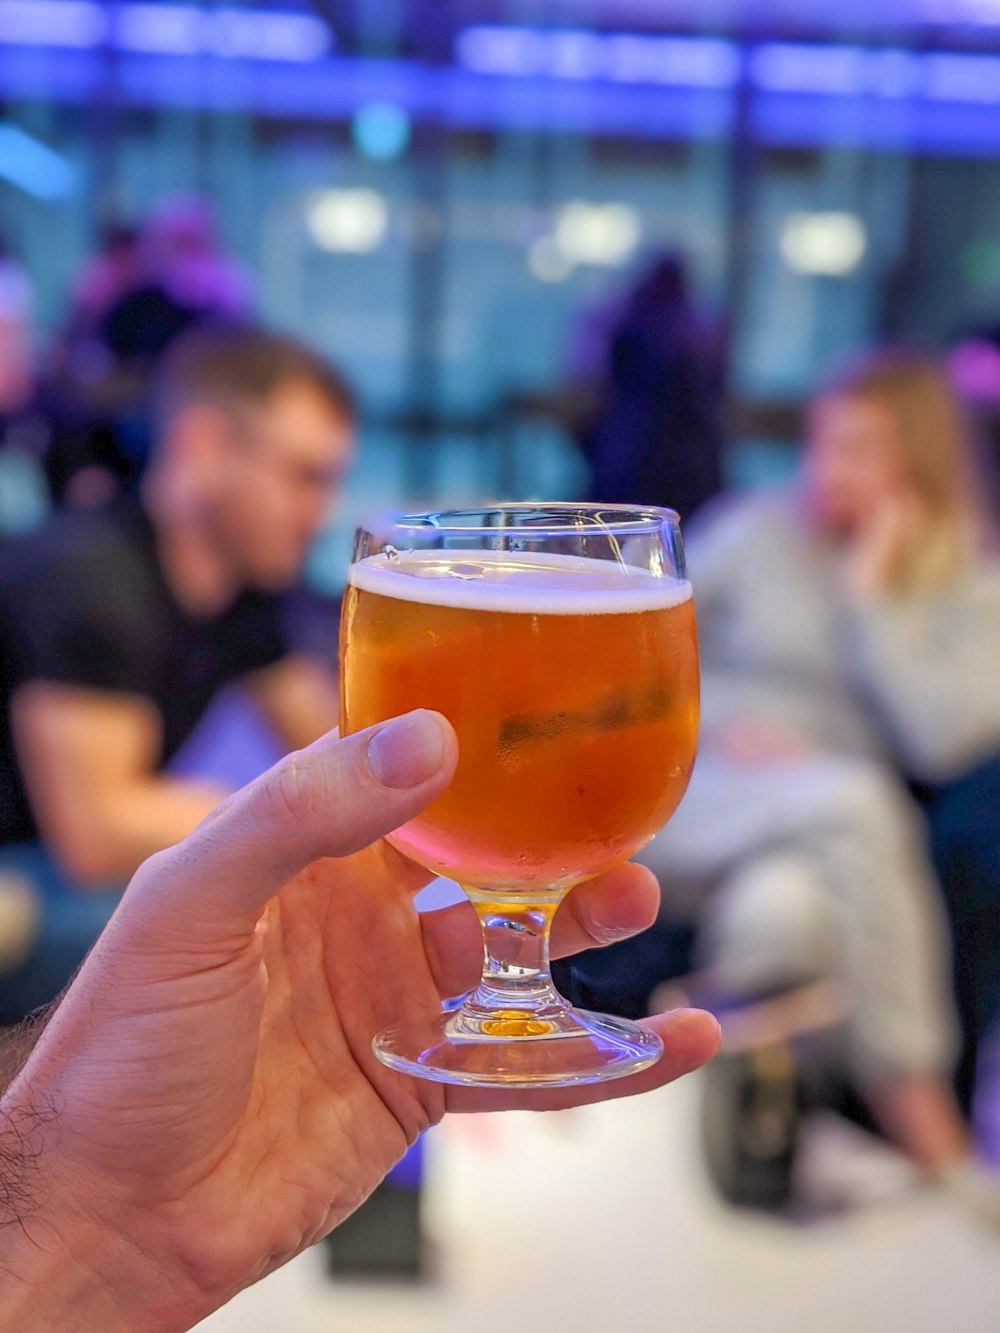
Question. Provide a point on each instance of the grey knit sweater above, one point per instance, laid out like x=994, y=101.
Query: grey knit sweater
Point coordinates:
x=914, y=680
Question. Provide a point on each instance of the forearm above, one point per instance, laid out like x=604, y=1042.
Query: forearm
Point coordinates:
x=129, y=824
x=300, y=699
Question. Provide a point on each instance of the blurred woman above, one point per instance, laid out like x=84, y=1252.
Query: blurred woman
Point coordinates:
x=851, y=634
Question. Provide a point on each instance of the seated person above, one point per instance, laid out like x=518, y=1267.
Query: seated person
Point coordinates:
x=120, y=626
x=850, y=631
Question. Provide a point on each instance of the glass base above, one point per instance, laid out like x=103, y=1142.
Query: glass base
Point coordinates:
x=555, y=1048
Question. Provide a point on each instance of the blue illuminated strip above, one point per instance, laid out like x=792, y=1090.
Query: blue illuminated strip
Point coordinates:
x=73, y=23
x=620, y=84
x=572, y=54
x=961, y=78
x=823, y=70
x=167, y=29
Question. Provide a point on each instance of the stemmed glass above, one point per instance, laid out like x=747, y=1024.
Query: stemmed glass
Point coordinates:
x=559, y=640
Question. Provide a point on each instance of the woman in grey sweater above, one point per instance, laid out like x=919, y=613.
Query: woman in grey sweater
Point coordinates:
x=850, y=633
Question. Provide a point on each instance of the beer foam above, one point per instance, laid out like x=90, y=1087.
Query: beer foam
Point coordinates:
x=529, y=583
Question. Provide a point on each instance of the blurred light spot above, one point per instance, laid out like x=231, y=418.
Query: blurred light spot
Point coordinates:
x=601, y=234
x=32, y=165
x=547, y=260
x=165, y=29
x=489, y=50
x=79, y=23
x=689, y=62
x=786, y=67
x=263, y=35
x=348, y=221
x=381, y=131
x=576, y=55
x=570, y=53
x=826, y=244
x=232, y=33
x=963, y=78
x=894, y=73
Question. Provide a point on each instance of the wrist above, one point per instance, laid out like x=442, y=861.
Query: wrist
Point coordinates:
x=66, y=1279
x=64, y=1266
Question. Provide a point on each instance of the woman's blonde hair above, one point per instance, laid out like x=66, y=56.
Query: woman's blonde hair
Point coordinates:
x=942, y=452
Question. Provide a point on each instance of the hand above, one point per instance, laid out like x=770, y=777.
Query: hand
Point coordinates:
x=751, y=744
x=884, y=545
x=212, y=1103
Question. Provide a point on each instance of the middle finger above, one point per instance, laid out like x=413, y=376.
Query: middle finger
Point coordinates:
x=600, y=912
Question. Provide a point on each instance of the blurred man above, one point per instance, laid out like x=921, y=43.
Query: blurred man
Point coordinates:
x=121, y=625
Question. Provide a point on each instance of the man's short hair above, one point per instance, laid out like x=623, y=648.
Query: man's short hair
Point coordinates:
x=234, y=367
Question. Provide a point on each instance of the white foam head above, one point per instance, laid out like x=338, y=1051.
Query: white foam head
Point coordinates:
x=529, y=583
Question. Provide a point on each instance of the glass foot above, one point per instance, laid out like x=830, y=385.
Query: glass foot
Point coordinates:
x=556, y=1048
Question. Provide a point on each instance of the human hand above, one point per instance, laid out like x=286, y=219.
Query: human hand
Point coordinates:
x=884, y=544
x=751, y=744
x=205, y=1103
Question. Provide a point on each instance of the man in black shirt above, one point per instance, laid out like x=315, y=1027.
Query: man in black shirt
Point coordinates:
x=118, y=627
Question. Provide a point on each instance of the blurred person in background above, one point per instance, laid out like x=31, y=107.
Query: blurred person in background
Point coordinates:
x=656, y=437
x=850, y=631
x=121, y=624
x=182, y=252
x=145, y=287
x=104, y=278
x=16, y=314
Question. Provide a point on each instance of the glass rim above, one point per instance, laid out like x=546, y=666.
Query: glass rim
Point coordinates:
x=625, y=519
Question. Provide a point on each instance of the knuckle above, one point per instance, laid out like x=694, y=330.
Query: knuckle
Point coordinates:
x=289, y=796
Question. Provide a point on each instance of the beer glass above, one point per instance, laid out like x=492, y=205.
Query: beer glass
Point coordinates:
x=559, y=641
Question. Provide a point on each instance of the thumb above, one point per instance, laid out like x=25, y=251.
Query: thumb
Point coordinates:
x=331, y=799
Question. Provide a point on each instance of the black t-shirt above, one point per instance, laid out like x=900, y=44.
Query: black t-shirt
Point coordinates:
x=84, y=602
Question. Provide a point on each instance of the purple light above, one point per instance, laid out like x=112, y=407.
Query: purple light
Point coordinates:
x=167, y=29
x=576, y=55
x=783, y=67
x=186, y=30
x=76, y=23
x=962, y=78
x=854, y=71
x=568, y=53
x=267, y=35
x=174, y=30
x=894, y=73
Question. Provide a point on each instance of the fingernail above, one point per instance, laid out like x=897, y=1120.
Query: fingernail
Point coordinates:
x=408, y=750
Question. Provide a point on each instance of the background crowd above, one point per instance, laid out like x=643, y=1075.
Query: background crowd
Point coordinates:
x=180, y=460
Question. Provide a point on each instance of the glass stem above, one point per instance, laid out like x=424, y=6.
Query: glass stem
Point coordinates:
x=516, y=976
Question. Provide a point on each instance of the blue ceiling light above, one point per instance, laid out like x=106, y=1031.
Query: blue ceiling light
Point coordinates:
x=572, y=54
x=166, y=29
x=32, y=165
x=381, y=131
x=73, y=23
x=189, y=30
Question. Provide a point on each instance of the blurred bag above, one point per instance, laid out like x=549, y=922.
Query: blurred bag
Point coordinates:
x=751, y=1114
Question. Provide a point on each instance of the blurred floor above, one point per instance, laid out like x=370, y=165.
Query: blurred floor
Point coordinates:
x=600, y=1218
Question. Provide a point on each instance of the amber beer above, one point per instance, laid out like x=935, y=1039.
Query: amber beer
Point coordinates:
x=572, y=684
